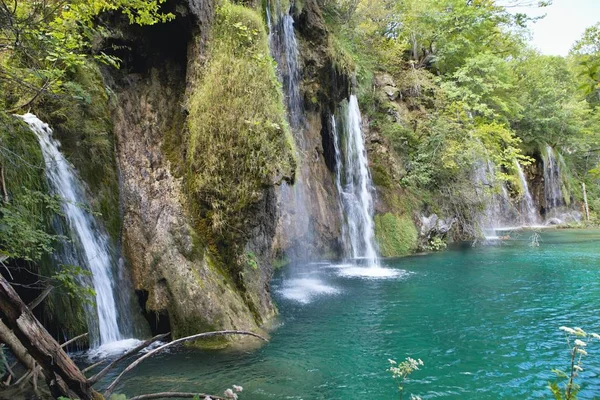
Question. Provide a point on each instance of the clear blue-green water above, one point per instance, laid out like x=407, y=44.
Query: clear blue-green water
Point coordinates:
x=484, y=321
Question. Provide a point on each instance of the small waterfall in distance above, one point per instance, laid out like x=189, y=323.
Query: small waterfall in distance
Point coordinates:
x=552, y=179
x=499, y=212
x=92, y=249
x=528, y=210
x=353, y=181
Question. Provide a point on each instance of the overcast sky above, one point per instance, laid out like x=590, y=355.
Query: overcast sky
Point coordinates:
x=564, y=23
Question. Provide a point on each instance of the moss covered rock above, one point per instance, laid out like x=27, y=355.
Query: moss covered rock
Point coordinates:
x=396, y=235
x=239, y=141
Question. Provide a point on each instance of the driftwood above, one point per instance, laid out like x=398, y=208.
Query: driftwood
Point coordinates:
x=61, y=374
x=134, y=364
x=35, y=348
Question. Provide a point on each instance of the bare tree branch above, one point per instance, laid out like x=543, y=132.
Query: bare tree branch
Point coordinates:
x=147, y=343
x=166, y=395
x=40, y=298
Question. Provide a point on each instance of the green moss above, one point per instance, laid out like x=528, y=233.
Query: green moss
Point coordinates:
x=239, y=142
x=396, y=234
x=20, y=157
x=280, y=262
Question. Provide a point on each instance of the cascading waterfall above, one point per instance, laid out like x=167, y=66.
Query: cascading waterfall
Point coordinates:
x=552, y=180
x=294, y=199
x=528, y=209
x=353, y=181
x=92, y=243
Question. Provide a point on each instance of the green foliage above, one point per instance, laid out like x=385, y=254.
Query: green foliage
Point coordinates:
x=435, y=244
x=41, y=42
x=587, y=54
x=251, y=260
x=239, y=141
x=485, y=87
x=27, y=208
x=396, y=235
x=69, y=277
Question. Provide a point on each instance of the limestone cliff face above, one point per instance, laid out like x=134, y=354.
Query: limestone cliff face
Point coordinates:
x=183, y=278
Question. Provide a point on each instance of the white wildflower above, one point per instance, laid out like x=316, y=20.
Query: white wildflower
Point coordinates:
x=568, y=330
x=595, y=335
x=577, y=368
x=392, y=361
x=237, y=388
x=230, y=395
x=582, y=351
x=580, y=332
x=580, y=343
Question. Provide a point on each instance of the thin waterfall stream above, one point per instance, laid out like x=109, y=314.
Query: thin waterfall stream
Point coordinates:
x=296, y=225
x=528, y=209
x=92, y=243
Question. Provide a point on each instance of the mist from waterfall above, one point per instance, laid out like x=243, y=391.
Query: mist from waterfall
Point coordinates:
x=354, y=184
x=111, y=317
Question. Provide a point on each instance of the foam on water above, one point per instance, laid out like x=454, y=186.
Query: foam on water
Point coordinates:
x=113, y=349
x=305, y=290
x=373, y=272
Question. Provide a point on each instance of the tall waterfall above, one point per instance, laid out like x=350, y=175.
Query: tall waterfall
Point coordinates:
x=552, y=179
x=528, y=209
x=91, y=242
x=297, y=226
x=353, y=181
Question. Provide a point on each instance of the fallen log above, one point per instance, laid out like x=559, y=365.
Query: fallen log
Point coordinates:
x=61, y=374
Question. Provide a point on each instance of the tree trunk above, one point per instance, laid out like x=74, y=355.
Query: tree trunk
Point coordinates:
x=61, y=374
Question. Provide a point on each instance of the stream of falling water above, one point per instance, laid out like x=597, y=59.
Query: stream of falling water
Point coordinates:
x=528, y=209
x=353, y=181
x=92, y=244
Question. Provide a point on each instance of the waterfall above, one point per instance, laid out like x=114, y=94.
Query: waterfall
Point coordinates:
x=284, y=49
x=296, y=223
x=499, y=213
x=528, y=209
x=92, y=243
x=353, y=181
x=552, y=180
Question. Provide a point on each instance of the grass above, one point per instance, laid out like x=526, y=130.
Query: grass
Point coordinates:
x=396, y=234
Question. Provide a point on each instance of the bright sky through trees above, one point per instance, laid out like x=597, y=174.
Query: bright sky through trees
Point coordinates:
x=564, y=23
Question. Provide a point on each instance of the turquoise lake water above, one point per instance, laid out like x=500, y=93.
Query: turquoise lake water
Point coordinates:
x=484, y=321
